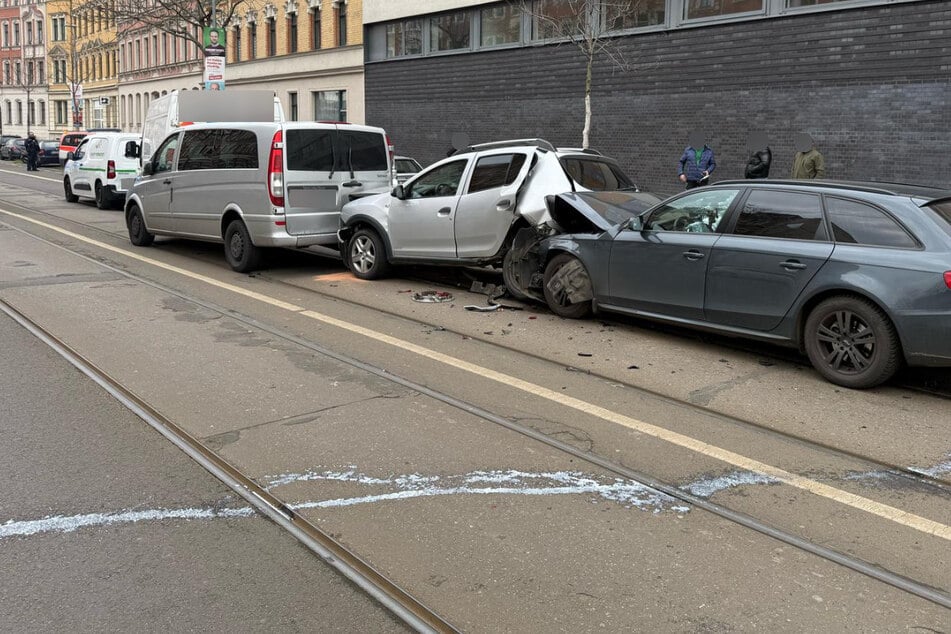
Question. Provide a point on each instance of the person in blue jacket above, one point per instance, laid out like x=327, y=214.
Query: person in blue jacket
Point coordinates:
x=696, y=163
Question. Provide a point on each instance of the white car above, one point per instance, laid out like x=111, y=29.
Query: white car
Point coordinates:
x=103, y=168
x=406, y=167
x=469, y=208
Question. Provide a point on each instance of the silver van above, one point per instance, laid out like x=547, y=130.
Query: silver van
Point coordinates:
x=255, y=185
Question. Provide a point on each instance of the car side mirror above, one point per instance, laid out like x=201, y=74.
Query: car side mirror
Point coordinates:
x=398, y=193
x=131, y=149
x=70, y=156
x=147, y=169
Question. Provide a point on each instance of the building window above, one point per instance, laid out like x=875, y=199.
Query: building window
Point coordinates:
x=292, y=33
x=500, y=25
x=61, y=112
x=40, y=72
x=16, y=33
x=450, y=32
x=404, y=38
x=39, y=32
x=342, y=25
x=633, y=14
x=292, y=97
x=552, y=18
x=330, y=105
x=695, y=9
x=253, y=40
x=5, y=42
x=237, y=43
x=315, y=29
x=272, y=37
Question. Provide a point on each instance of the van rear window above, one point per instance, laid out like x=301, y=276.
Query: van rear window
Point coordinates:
x=363, y=151
x=310, y=150
x=73, y=139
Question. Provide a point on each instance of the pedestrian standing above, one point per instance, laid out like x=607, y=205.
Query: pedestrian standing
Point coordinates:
x=696, y=163
x=32, y=149
x=809, y=162
x=761, y=157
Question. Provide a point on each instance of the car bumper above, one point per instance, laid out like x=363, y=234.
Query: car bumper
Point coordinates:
x=926, y=338
x=265, y=232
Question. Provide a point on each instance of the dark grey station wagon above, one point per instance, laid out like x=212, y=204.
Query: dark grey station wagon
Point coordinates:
x=858, y=276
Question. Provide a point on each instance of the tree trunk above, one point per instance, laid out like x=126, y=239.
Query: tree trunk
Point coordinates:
x=585, y=134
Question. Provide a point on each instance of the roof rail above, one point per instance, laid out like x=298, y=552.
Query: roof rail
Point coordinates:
x=581, y=150
x=870, y=187
x=541, y=143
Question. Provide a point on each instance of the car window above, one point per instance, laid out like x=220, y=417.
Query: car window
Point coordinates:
x=218, y=149
x=406, y=166
x=596, y=175
x=72, y=139
x=363, y=151
x=310, y=150
x=495, y=171
x=237, y=149
x=164, y=159
x=857, y=223
x=439, y=181
x=80, y=149
x=699, y=212
x=778, y=214
x=198, y=150
x=942, y=212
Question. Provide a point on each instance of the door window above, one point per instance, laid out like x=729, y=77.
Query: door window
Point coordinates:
x=79, y=151
x=440, y=181
x=495, y=171
x=777, y=214
x=699, y=212
x=363, y=151
x=310, y=150
x=198, y=150
x=596, y=175
x=164, y=159
x=858, y=223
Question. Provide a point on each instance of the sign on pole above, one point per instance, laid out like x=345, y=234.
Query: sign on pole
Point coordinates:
x=214, y=40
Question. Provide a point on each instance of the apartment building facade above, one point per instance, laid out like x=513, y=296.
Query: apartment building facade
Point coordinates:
x=868, y=79
x=23, y=83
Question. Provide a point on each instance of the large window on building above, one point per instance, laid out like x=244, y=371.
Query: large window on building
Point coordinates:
x=792, y=4
x=342, y=23
x=272, y=37
x=635, y=14
x=330, y=105
x=315, y=28
x=694, y=9
x=500, y=24
x=61, y=112
x=552, y=18
x=292, y=33
x=253, y=40
x=450, y=32
x=404, y=38
x=237, y=43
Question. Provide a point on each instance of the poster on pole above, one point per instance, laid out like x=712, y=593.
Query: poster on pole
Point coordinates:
x=214, y=47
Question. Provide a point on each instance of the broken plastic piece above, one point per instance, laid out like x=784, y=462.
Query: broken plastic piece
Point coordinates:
x=432, y=296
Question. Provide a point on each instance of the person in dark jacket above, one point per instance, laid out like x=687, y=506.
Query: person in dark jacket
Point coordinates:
x=760, y=156
x=696, y=163
x=32, y=149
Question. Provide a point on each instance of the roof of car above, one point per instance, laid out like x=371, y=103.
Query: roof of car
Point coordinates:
x=871, y=187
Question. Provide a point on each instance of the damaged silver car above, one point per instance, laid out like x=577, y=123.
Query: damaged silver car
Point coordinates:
x=467, y=209
x=856, y=275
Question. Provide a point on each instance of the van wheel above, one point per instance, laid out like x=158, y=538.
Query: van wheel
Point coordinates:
x=138, y=234
x=366, y=255
x=556, y=294
x=240, y=252
x=103, y=197
x=70, y=196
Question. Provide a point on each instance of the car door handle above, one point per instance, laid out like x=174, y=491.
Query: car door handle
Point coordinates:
x=351, y=184
x=693, y=254
x=167, y=181
x=445, y=211
x=792, y=265
x=504, y=205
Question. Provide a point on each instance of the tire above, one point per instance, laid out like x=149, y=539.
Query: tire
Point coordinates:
x=851, y=342
x=512, y=284
x=558, y=300
x=240, y=252
x=70, y=196
x=138, y=234
x=366, y=255
x=103, y=197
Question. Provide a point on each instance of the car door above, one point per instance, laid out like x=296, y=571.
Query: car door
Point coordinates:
x=776, y=245
x=195, y=206
x=155, y=191
x=421, y=223
x=365, y=161
x=486, y=210
x=79, y=179
x=312, y=180
x=660, y=267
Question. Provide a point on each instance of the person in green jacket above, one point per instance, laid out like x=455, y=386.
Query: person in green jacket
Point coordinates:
x=809, y=162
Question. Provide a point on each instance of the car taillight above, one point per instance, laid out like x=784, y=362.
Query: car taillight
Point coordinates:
x=275, y=170
x=392, y=152
x=111, y=169
x=947, y=279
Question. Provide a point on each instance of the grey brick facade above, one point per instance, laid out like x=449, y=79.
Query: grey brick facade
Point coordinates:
x=872, y=85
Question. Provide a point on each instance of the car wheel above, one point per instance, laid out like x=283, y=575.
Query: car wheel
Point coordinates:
x=70, y=196
x=366, y=255
x=509, y=278
x=103, y=197
x=240, y=252
x=557, y=297
x=851, y=342
x=138, y=234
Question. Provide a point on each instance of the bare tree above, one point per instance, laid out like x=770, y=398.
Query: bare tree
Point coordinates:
x=178, y=18
x=586, y=25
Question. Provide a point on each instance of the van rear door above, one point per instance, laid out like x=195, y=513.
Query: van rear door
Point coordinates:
x=364, y=159
x=312, y=180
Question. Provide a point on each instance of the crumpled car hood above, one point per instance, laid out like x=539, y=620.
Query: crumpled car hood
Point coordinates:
x=596, y=212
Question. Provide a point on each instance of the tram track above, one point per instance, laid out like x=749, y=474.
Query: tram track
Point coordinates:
x=272, y=505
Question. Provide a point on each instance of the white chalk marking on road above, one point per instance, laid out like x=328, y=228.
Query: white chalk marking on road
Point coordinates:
x=708, y=487
x=70, y=523
x=739, y=461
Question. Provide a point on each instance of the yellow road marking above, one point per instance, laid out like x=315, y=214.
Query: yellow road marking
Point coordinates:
x=884, y=511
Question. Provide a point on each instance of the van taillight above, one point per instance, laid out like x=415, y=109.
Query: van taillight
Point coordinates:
x=392, y=152
x=275, y=170
x=947, y=279
x=111, y=169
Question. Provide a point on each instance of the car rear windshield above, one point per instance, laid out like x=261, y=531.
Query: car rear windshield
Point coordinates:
x=596, y=175
x=942, y=210
x=73, y=139
x=406, y=166
x=49, y=145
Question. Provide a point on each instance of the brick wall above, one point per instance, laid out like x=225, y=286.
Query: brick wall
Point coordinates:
x=872, y=85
